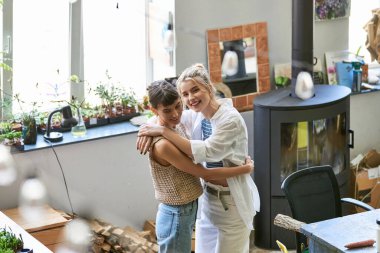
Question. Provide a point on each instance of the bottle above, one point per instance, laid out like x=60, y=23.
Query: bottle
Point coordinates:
x=357, y=76
x=378, y=235
x=80, y=129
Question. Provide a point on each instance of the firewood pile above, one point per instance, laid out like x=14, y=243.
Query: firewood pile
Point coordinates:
x=108, y=238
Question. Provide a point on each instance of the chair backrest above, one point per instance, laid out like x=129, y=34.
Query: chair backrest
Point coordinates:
x=313, y=195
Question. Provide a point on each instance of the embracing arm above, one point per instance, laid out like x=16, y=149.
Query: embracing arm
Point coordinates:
x=155, y=130
x=171, y=154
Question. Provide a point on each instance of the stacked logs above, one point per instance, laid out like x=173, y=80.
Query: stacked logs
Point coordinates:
x=108, y=238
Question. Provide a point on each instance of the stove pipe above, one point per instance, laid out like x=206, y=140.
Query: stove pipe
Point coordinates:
x=302, y=38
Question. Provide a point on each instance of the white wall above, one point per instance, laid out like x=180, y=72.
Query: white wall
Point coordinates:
x=106, y=178
x=193, y=18
x=365, y=122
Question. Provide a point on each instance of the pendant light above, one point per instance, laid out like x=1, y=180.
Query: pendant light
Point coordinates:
x=168, y=36
x=77, y=235
x=33, y=200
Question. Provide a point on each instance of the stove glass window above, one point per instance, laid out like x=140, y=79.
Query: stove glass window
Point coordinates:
x=311, y=143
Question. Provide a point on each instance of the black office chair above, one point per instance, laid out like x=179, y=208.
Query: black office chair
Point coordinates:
x=313, y=195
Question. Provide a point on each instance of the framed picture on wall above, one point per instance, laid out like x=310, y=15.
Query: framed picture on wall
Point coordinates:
x=334, y=57
x=331, y=9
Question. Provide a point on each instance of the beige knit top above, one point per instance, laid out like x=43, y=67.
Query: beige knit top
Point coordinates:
x=172, y=186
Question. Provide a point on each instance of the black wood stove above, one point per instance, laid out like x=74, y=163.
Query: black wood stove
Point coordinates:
x=291, y=134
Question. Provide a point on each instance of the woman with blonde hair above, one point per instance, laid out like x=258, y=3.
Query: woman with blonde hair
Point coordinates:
x=219, y=138
x=175, y=176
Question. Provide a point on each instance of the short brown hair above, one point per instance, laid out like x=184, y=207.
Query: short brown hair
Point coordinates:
x=162, y=92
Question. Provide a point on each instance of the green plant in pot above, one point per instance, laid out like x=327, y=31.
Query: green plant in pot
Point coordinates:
x=282, y=81
x=8, y=135
x=129, y=102
x=28, y=119
x=109, y=93
x=10, y=242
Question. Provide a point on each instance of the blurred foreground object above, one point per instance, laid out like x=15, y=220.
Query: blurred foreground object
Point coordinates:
x=77, y=235
x=33, y=200
x=7, y=167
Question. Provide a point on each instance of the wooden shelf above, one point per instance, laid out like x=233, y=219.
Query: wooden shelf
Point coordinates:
x=48, y=232
x=29, y=241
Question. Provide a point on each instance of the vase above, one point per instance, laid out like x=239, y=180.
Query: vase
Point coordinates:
x=29, y=131
x=80, y=129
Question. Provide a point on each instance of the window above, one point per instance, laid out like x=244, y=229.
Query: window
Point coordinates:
x=54, y=39
x=361, y=13
x=40, y=51
x=114, y=41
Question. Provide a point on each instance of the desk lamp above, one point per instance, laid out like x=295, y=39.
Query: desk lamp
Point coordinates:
x=67, y=121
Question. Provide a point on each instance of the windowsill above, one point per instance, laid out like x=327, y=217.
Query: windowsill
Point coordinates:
x=363, y=91
x=110, y=130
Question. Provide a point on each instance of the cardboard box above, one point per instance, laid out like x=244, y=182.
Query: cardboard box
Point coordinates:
x=367, y=190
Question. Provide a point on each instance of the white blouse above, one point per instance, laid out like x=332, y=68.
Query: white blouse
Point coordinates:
x=229, y=144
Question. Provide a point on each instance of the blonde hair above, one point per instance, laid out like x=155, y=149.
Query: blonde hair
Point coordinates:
x=198, y=74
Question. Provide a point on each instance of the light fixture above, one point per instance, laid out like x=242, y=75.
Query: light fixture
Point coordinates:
x=7, y=167
x=67, y=121
x=230, y=63
x=77, y=235
x=33, y=200
x=168, y=36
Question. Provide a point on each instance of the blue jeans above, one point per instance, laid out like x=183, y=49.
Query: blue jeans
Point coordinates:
x=174, y=227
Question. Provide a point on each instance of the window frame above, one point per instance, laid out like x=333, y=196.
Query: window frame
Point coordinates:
x=76, y=51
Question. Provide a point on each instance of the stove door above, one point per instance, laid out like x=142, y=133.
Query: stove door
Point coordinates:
x=299, y=142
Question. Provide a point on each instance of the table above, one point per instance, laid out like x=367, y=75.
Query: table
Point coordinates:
x=29, y=241
x=331, y=235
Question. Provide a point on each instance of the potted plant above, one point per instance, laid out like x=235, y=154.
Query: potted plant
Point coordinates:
x=10, y=137
x=129, y=104
x=109, y=96
x=109, y=93
x=10, y=242
x=28, y=120
x=94, y=116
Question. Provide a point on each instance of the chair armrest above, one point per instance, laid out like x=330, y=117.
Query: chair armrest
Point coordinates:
x=357, y=203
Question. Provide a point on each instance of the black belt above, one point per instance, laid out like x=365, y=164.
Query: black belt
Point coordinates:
x=218, y=194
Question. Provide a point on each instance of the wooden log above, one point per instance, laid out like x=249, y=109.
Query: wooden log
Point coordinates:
x=150, y=225
x=96, y=227
x=106, y=247
x=288, y=223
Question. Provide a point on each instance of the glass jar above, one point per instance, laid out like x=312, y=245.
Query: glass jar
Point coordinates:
x=80, y=129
